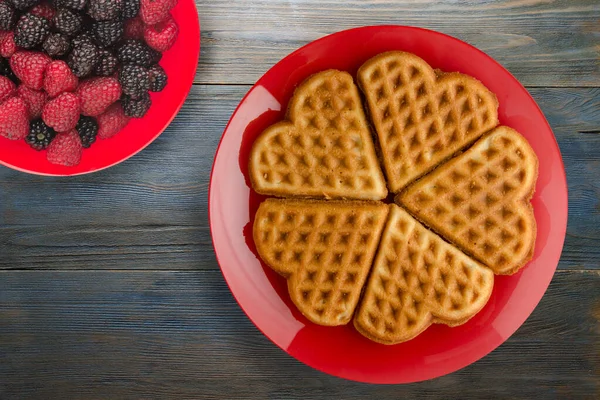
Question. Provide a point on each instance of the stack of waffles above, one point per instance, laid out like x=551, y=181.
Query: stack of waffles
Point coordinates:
x=462, y=187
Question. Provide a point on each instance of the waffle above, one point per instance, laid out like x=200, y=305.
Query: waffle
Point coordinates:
x=323, y=249
x=418, y=279
x=422, y=117
x=323, y=150
x=480, y=200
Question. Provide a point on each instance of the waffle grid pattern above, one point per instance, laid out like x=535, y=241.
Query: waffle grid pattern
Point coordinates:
x=422, y=118
x=325, y=151
x=418, y=279
x=480, y=200
x=324, y=249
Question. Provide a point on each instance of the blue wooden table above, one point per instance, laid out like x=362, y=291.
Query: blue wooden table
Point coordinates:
x=109, y=287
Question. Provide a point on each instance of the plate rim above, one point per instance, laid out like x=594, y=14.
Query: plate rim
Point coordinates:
x=185, y=94
x=524, y=91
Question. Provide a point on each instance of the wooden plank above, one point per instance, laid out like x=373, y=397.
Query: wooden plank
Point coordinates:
x=151, y=211
x=542, y=42
x=107, y=334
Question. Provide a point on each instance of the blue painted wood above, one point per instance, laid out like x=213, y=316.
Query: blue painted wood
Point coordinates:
x=161, y=334
x=542, y=42
x=109, y=287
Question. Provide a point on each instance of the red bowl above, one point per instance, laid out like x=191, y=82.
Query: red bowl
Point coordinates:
x=179, y=62
x=341, y=351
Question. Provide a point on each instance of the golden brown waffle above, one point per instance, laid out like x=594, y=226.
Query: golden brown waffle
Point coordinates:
x=418, y=279
x=324, y=249
x=325, y=150
x=422, y=118
x=480, y=200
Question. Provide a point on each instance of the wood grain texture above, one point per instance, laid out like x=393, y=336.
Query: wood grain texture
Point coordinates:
x=152, y=334
x=151, y=211
x=109, y=287
x=542, y=42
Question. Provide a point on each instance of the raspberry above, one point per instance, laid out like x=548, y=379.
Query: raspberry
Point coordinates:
x=67, y=22
x=107, y=65
x=83, y=58
x=6, y=71
x=97, y=94
x=14, y=123
x=162, y=35
x=155, y=11
x=7, y=88
x=105, y=10
x=57, y=45
x=29, y=67
x=131, y=8
x=62, y=112
x=112, y=121
x=158, y=78
x=35, y=100
x=136, y=52
x=87, y=127
x=59, y=78
x=65, y=149
x=134, y=28
x=44, y=10
x=31, y=31
x=7, y=44
x=136, y=108
x=107, y=33
x=40, y=135
x=77, y=5
x=8, y=16
x=24, y=4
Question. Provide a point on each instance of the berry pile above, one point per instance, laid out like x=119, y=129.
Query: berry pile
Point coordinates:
x=73, y=71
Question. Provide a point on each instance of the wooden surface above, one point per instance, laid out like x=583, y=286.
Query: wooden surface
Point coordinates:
x=109, y=287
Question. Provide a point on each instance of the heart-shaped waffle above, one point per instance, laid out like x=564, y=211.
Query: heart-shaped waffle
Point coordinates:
x=323, y=249
x=480, y=200
x=422, y=117
x=418, y=279
x=325, y=150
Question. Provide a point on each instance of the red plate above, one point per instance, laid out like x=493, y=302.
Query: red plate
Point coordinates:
x=342, y=351
x=179, y=62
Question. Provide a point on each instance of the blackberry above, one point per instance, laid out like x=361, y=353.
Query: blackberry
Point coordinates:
x=40, y=135
x=83, y=37
x=83, y=59
x=137, y=52
x=87, y=127
x=67, y=22
x=56, y=45
x=44, y=10
x=158, y=78
x=72, y=4
x=8, y=16
x=6, y=71
x=136, y=108
x=134, y=80
x=107, y=65
x=105, y=10
x=24, y=4
x=131, y=8
x=31, y=31
x=107, y=33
